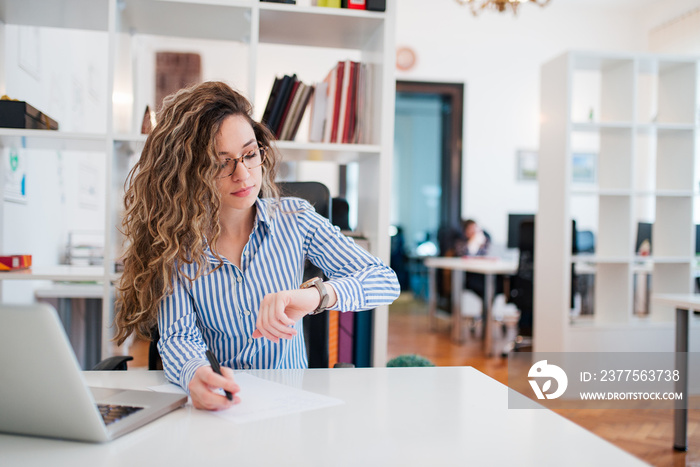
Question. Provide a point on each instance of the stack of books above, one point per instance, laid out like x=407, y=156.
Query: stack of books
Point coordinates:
x=340, y=106
x=285, y=107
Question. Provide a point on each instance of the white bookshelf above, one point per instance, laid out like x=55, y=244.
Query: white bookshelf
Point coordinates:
x=245, y=27
x=639, y=113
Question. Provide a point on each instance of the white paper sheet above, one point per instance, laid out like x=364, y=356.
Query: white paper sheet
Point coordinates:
x=169, y=388
x=261, y=399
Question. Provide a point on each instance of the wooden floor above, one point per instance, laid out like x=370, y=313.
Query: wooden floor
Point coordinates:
x=646, y=434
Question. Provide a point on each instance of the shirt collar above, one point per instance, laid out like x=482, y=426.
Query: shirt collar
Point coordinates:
x=265, y=214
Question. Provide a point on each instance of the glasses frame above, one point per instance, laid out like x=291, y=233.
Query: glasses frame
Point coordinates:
x=236, y=160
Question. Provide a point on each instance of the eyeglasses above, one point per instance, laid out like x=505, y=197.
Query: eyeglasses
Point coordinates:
x=252, y=160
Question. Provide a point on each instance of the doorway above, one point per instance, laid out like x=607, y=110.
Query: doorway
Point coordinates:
x=427, y=198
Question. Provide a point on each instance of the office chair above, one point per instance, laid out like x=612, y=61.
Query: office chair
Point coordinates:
x=522, y=290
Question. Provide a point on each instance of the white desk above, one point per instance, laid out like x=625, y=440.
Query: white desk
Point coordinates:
x=684, y=304
x=489, y=267
x=391, y=417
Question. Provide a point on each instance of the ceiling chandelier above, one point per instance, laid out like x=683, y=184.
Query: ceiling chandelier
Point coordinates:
x=477, y=6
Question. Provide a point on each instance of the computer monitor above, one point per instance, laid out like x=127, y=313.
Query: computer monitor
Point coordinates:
x=514, y=221
x=643, y=233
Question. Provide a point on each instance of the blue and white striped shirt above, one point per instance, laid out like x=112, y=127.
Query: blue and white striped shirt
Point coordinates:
x=219, y=310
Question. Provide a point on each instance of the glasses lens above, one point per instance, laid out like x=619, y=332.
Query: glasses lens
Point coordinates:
x=254, y=159
x=251, y=160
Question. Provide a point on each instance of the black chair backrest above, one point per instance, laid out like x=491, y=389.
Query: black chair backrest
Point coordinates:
x=340, y=213
x=315, y=193
x=316, y=326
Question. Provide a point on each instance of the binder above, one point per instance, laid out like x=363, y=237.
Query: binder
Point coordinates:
x=346, y=326
x=332, y=337
x=349, y=130
x=363, y=339
x=271, y=100
x=280, y=102
x=292, y=107
x=308, y=92
x=354, y=4
x=344, y=102
x=376, y=5
x=287, y=104
x=338, y=97
x=330, y=107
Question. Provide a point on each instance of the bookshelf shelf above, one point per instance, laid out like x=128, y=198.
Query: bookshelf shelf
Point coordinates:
x=58, y=273
x=340, y=153
x=318, y=26
x=48, y=139
x=226, y=21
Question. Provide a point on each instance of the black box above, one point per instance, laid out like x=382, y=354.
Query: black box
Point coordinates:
x=376, y=5
x=19, y=114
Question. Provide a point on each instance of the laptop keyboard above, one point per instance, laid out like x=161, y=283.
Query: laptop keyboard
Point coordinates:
x=111, y=413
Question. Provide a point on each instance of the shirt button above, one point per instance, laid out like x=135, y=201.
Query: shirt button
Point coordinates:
x=239, y=279
x=245, y=253
x=247, y=312
x=250, y=340
x=347, y=302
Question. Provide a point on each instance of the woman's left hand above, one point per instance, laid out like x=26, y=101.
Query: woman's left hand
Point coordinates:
x=279, y=311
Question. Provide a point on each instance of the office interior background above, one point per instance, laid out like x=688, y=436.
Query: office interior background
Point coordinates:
x=497, y=57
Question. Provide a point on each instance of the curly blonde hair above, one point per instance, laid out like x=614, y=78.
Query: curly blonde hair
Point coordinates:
x=172, y=202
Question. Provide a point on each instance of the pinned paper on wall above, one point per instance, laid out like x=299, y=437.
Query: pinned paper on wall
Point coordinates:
x=526, y=165
x=15, y=170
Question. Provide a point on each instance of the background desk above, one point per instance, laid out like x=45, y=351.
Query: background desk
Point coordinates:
x=684, y=304
x=489, y=267
x=391, y=416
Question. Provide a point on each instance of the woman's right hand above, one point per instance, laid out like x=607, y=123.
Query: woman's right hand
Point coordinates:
x=204, y=385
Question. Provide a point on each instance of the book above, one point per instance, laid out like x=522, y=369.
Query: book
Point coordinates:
x=271, y=100
x=280, y=102
x=348, y=131
x=340, y=75
x=308, y=92
x=288, y=120
x=364, y=97
x=332, y=3
x=318, y=112
x=344, y=91
x=288, y=102
x=330, y=106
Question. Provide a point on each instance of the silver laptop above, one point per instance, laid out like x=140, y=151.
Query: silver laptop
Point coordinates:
x=42, y=390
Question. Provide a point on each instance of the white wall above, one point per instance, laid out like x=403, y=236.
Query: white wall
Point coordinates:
x=498, y=57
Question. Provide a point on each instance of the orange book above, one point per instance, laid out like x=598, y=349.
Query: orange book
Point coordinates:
x=333, y=318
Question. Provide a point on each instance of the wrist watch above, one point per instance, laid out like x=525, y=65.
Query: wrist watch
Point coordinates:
x=321, y=287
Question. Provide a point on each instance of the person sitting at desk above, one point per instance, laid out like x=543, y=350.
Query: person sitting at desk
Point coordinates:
x=475, y=242
x=215, y=257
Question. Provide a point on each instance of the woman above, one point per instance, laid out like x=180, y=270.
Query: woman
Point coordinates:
x=215, y=258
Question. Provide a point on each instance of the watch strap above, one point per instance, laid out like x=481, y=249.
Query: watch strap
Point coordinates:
x=321, y=287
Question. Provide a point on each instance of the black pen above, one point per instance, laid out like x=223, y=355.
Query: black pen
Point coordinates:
x=217, y=369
